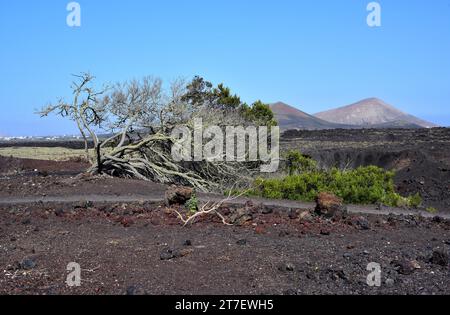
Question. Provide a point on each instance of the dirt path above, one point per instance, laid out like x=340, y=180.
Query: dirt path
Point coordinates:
x=157, y=198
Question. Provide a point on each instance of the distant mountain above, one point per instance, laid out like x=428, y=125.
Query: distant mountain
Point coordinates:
x=289, y=117
x=373, y=112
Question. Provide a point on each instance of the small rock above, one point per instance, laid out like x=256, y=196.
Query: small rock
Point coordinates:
x=306, y=216
x=176, y=195
x=26, y=221
x=127, y=222
x=293, y=214
x=404, y=267
x=187, y=243
x=241, y=216
x=325, y=232
x=361, y=223
x=242, y=242
x=27, y=264
x=166, y=254
x=267, y=210
x=287, y=267
x=347, y=255
x=390, y=282
x=330, y=206
x=59, y=212
x=439, y=257
x=133, y=290
x=260, y=230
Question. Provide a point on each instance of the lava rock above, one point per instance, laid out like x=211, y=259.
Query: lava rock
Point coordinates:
x=241, y=216
x=293, y=214
x=306, y=216
x=176, y=195
x=242, y=242
x=168, y=253
x=439, y=257
x=361, y=223
x=26, y=221
x=289, y=267
x=27, y=264
x=134, y=290
x=330, y=206
x=267, y=210
x=390, y=282
x=404, y=267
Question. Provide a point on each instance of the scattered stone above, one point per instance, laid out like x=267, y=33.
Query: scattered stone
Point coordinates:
x=127, y=222
x=168, y=253
x=330, y=206
x=437, y=219
x=134, y=290
x=390, y=282
x=26, y=221
x=242, y=242
x=241, y=216
x=267, y=210
x=306, y=216
x=361, y=223
x=59, y=212
x=439, y=257
x=260, y=230
x=287, y=267
x=176, y=195
x=293, y=214
x=403, y=266
x=27, y=264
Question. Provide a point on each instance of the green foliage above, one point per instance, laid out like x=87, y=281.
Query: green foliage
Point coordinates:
x=192, y=204
x=260, y=114
x=225, y=99
x=432, y=210
x=297, y=163
x=200, y=92
x=364, y=185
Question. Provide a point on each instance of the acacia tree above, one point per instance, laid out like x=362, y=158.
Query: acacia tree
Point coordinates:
x=140, y=115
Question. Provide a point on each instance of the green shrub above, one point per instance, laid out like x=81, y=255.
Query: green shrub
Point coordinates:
x=297, y=163
x=432, y=210
x=364, y=185
x=192, y=204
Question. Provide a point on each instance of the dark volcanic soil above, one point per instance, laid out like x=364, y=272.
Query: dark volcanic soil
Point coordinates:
x=143, y=249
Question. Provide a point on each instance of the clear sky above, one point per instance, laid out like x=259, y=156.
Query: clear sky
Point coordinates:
x=315, y=54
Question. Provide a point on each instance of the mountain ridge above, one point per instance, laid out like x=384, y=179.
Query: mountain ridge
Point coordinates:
x=371, y=112
x=367, y=113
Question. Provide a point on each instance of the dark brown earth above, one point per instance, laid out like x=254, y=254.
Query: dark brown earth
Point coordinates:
x=142, y=248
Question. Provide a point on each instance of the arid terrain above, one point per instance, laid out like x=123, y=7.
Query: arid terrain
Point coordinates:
x=420, y=157
x=127, y=241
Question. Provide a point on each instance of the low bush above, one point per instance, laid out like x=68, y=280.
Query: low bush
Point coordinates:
x=297, y=163
x=364, y=185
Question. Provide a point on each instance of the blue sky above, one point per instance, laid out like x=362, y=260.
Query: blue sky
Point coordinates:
x=315, y=54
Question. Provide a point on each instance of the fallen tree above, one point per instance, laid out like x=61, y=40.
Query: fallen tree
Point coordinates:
x=139, y=117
